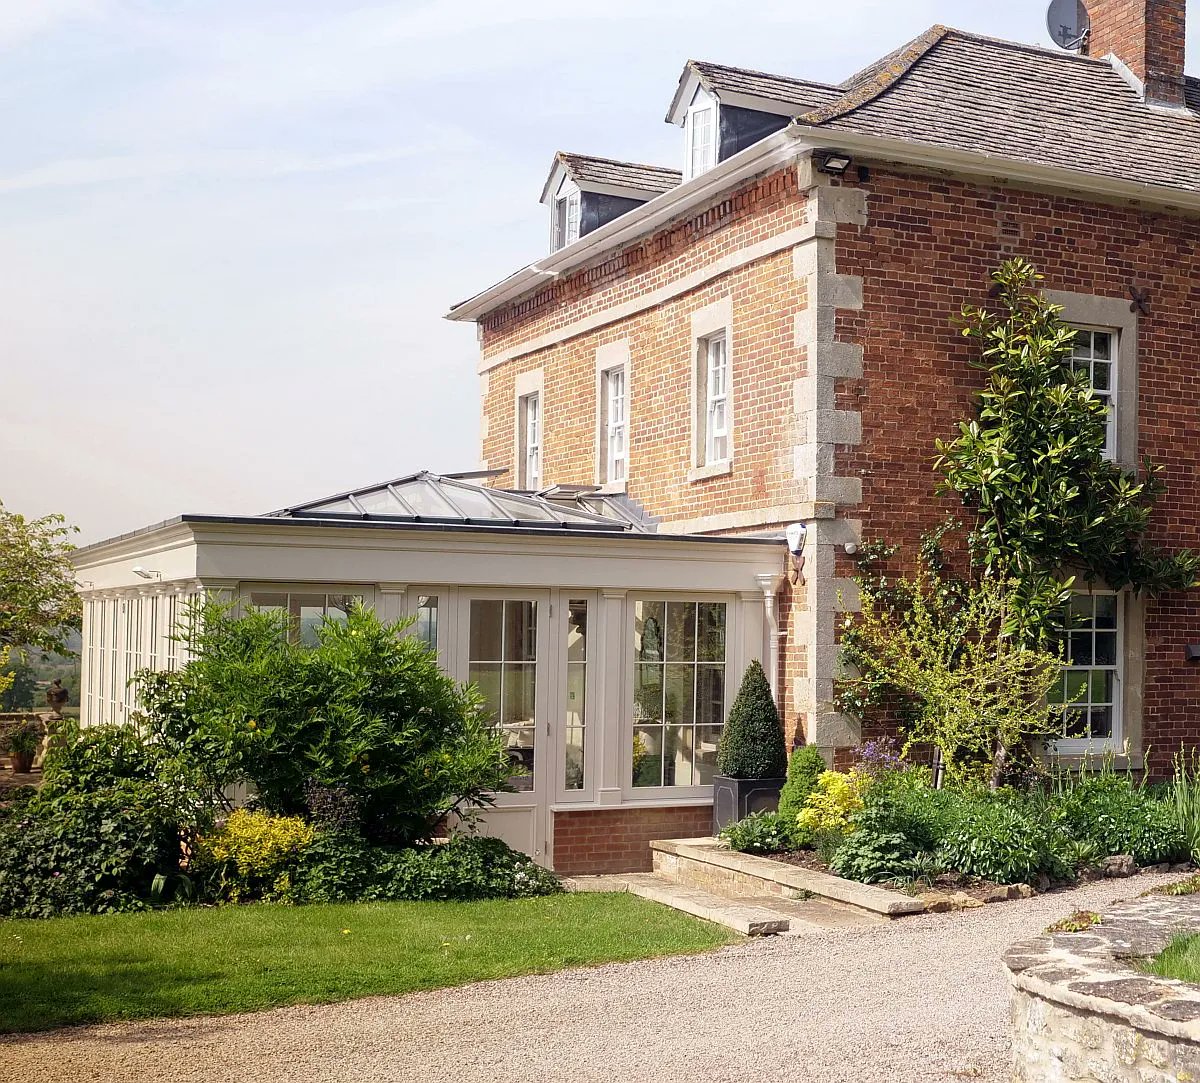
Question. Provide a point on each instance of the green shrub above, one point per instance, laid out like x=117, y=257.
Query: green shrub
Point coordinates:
x=804, y=768
x=253, y=855
x=1120, y=817
x=366, y=710
x=87, y=853
x=751, y=744
x=837, y=796
x=759, y=833
x=876, y=849
x=1000, y=841
x=467, y=867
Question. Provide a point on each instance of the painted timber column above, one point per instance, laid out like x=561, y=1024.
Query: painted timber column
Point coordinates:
x=820, y=428
x=612, y=677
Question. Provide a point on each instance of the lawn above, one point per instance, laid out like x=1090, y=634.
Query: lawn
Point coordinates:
x=64, y=971
x=1180, y=959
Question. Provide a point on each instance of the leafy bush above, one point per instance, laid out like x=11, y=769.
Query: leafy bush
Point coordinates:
x=760, y=833
x=875, y=849
x=804, y=768
x=253, y=855
x=837, y=796
x=466, y=867
x=751, y=744
x=366, y=710
x=87, y=853
x=1000, y=841
x=1122, y=818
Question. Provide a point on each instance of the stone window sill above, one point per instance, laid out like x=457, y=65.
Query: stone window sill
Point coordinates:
x=712, y=470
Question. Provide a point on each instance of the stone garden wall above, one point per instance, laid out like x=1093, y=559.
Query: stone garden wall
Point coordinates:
x=1082, y=1011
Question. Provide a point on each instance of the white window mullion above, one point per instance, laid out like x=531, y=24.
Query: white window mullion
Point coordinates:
x=716, y=400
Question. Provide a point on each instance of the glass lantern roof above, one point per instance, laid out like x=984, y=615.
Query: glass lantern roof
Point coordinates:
x=457, y=499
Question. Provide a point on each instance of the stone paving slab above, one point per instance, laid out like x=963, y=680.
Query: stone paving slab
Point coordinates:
x=704, y=862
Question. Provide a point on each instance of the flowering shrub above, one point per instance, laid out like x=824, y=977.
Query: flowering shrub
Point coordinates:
x=804, y=768
x=253, y=855
x=759, y=833
x=831, y=804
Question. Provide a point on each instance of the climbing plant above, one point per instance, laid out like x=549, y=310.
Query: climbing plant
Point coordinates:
x=1031, y=467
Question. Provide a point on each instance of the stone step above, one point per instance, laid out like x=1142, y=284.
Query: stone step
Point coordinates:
x=750, y=915
x=705, y=863
x=745, y=916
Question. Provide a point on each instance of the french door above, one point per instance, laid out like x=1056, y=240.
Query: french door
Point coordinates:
x=504, y=649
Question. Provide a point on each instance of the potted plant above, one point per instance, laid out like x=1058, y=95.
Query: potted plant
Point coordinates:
x=751, y=757
x=22, y=745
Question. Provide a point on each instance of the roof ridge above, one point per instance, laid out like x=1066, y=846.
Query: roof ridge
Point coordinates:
x=876, y=79
x=764, y=74
x=613, y=161
x=1027, y=47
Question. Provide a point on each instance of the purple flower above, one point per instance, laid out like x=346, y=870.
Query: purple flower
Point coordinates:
x=880, y=757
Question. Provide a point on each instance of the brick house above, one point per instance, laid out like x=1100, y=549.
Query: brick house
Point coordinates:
x=764, y=338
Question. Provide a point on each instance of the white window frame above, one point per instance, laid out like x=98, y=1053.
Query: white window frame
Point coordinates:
x=1075, y=746
x=565, y=211
x=696, y=163
x=612, y=425
x=713, y=321
x=735, y=664
x=529, y=439
x=1111, y=395
x=715, y=377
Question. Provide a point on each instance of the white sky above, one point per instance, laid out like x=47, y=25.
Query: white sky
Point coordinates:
x=229, y=228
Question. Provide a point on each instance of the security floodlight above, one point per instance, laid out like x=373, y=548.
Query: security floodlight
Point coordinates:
x=138, y=570
x=833, y=162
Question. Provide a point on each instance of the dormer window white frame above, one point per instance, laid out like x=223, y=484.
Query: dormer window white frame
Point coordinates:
x=701, y=128
x=564, y=215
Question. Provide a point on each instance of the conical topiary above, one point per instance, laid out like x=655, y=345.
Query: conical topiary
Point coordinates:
x=804, y=768
x=751, y=744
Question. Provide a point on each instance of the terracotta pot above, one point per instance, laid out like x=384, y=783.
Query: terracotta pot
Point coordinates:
x=22, y=762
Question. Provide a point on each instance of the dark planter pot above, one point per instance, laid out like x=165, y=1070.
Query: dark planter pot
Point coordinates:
x=22, y=762
x=735, y=798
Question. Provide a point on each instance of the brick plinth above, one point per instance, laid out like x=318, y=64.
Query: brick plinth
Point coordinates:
x=618, y=839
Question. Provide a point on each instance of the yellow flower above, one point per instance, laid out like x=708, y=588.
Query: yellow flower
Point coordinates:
x=345, y=931
x=251, y=725
x=366, y=768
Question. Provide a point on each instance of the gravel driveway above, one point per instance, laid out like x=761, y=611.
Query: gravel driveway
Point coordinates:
x=922, y=998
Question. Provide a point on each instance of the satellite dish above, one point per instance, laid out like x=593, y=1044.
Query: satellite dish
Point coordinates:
x=1068, y=23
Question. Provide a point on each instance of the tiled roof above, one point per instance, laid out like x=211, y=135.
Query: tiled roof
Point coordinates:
x=653, y=179
x=1044, y=107
x=799, y=93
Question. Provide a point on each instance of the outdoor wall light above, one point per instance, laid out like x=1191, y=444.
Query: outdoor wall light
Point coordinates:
x=833, y=162
x=145, y=573
x=1192, y=652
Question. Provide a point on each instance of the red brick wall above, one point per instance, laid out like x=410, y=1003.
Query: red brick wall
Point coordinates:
x=618, y=839
x=928, y=248
x=766, y=296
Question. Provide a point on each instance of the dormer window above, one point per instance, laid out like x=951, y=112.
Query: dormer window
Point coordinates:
x=564, y=217
x=700, y=130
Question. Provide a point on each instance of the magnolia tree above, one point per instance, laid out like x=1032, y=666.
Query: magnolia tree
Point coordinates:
x=967, y=660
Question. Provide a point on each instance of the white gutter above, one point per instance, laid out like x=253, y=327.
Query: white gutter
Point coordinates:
x=798, y=139
x=998, y=167
x=650, y=216
x=769, y=584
